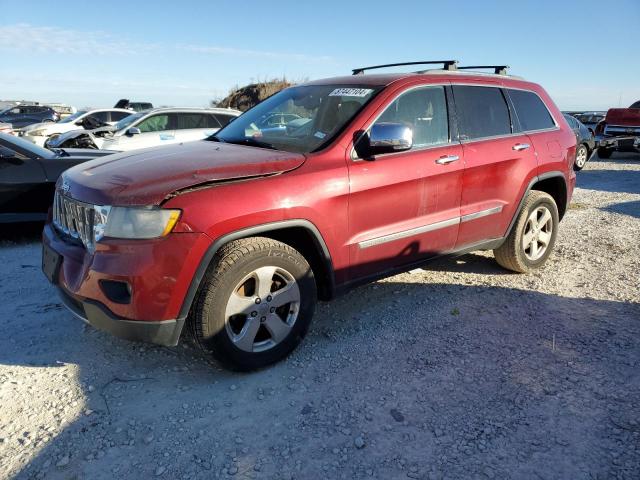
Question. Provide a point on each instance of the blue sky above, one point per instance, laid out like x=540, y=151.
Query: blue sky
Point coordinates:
x=189, y=52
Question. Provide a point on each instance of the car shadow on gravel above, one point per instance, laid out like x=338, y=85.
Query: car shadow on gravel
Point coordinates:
x=468, y=263
x=480, y=374
x=625, y=208
x=18, y=233
x=625, y=181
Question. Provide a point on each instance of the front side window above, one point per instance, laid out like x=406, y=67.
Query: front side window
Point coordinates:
x=154, y=123
x=531, y=111
x=425, y=111
x=482, y=112
x=315, y=114
x=72, y=118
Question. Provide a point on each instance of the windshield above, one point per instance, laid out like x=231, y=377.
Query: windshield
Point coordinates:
x=25, y=147
x=71, y=118
x=126, y=121
x=298, y=119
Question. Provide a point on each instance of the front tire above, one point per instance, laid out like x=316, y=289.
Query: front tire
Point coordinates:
x=582, y=155
x=255, y=304
x=604, y=152
x=533, y=236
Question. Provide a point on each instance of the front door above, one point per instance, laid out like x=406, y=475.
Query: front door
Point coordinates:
x=405, y=206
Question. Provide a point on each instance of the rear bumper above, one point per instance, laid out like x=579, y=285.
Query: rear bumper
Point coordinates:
x=166, y=332
x=630, y=143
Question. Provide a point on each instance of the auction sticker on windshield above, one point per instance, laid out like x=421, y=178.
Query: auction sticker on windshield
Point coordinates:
x=350, y=92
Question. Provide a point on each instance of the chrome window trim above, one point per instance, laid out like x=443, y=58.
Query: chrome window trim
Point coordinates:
x=372, y=242
x=354, y=156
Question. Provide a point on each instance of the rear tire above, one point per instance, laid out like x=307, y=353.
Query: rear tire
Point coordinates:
x=255, y=304
x=533, y=236
x=582, y=155
x=604, y=152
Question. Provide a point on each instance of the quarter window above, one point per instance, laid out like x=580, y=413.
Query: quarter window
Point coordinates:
x=531, y=111
x=192, y=120
x=482, y=112
x=425, y=111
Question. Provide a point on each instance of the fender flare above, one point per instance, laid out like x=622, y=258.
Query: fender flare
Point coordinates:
x=196, y=281
x=534, y=180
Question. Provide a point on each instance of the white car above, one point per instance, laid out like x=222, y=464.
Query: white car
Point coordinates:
x=159, y=126
x=38, y=133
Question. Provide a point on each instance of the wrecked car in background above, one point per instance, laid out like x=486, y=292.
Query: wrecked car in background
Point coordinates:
x=39, y=133
x=619, y=131
x=160, y=126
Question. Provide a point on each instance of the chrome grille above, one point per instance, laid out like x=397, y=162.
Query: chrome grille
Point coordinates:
x=74, y=219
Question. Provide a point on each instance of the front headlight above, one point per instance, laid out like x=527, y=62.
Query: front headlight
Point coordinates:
x=132, y=222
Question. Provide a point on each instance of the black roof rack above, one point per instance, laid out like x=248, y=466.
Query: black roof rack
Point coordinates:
x=497, y=69
x=446, y=65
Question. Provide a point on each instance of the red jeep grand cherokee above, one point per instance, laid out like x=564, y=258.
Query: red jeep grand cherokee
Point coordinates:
x=318, y=188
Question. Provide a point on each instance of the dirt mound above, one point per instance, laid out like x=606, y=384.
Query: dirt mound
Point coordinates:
x=243, y=98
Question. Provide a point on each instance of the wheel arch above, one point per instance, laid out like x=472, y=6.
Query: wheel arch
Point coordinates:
x=555, y=184
x=300, y=234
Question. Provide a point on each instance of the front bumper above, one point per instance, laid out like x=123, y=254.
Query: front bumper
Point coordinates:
x=157, y=274
x=630, y=143
x=165, y=332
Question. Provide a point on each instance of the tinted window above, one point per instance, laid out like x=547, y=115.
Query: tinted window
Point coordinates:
x=482, y=112
x=196, y=120
x=223, y=119
x=425, y=111
x=117, y=116
x=155, y=123
x=102, y=116
x=635, y=105
x=531, y=111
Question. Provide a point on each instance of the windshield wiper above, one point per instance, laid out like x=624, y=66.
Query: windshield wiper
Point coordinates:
x=252, y=142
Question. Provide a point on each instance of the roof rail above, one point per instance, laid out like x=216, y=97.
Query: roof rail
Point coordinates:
x=497, y=69
x=446, y=65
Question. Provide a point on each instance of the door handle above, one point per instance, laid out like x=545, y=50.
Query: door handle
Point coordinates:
x=445, y=159
x=521, y=146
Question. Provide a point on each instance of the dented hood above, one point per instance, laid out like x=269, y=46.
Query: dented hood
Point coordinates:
x=628, y=117
x=147, y=177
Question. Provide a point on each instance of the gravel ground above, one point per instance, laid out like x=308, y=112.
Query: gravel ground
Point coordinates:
x=458, y=370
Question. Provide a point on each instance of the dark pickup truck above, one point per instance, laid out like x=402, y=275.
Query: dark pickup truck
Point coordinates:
x=619, y=131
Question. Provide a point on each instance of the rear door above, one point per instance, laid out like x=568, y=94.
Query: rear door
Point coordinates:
x=498, y=159
x=405, y=206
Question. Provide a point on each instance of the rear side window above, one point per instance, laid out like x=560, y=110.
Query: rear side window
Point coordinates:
x=531, y=110
x=191, y=120
x=425, y=111
x=482, y=112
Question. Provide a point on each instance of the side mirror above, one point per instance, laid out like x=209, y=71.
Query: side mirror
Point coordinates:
x=384, y=138
x=133, y=131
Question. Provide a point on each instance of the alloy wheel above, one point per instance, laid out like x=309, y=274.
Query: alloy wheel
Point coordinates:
x=537, y=233
x=262, y=309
